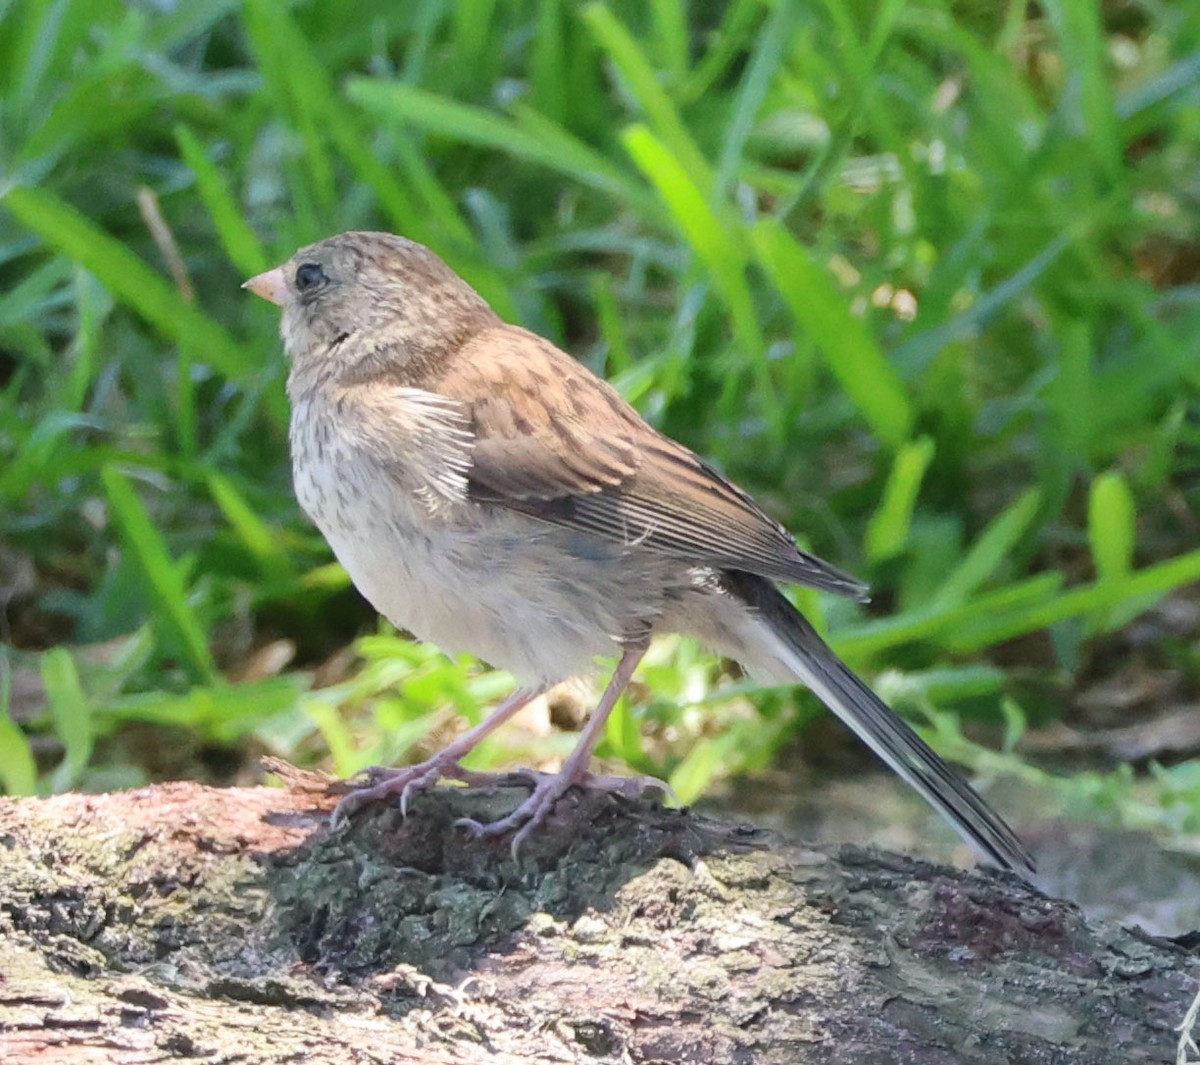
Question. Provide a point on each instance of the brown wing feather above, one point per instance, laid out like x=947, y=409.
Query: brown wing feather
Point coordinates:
x=556, y=442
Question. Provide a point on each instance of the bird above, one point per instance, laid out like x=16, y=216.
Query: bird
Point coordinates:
x=488, y=493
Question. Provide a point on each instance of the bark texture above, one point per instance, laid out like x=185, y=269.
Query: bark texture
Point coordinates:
x=181, y=922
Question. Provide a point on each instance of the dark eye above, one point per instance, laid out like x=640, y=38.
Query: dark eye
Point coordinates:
x=309, y=276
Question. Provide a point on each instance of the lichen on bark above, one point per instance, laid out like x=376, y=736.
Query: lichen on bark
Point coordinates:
x=190, y=922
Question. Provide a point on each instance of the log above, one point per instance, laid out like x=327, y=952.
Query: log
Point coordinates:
x=185, y=922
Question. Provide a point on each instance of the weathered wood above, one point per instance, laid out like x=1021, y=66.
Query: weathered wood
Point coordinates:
x=186, y=922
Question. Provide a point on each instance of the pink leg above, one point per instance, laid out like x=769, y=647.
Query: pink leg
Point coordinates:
x=549, y=789
x=408, y=780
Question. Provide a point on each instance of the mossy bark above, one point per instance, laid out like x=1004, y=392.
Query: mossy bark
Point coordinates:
x=186, y=922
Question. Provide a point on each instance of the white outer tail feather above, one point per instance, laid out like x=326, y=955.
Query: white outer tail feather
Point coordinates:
x=784, y=649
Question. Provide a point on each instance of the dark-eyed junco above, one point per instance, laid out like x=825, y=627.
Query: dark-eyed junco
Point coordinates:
x=488, y=493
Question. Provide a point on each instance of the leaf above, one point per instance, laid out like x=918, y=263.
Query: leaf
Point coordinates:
x=535, y=139
x=1141, y=588
x=693, y=775
x=769, y=49
x=18, y=770
x=887, y=531
x=241, y=244
x=71, y=713
x=640, y=79
x=339, y=741
x=850, y=349
x=714, y=244
x=1112, y=526
x=253, y=532
x=989, y=551
x=128, y=278
x=623, y=735
x=162, y=576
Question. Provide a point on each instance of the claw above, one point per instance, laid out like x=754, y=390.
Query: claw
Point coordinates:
x=347, y=807
x=381, y=784
x=548, y=789
x=407, y=793
x=530, y=814
x=630, y=787
x=520, y=838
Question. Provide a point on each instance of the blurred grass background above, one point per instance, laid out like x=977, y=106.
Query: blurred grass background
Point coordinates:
x=921, y=274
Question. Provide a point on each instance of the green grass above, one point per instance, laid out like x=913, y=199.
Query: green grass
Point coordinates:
x=921, y=275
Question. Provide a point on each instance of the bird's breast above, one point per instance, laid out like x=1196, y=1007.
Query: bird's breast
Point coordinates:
x=539, y=601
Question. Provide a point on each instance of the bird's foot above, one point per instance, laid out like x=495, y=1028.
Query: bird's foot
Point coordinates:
x=626, y=787
x=548, y=788
x=381, y=783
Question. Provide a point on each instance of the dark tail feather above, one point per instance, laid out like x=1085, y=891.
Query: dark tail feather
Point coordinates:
x=810, y=659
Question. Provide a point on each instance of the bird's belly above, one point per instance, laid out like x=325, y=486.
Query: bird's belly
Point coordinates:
x=521, y=595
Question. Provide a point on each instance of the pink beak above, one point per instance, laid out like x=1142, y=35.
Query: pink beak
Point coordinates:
x=271, y=285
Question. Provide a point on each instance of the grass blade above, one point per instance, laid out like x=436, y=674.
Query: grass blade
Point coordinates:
x=716, y=247
x=850, y=349
x=887, y=531
x=736, y=30
x=918, y=351
x=1112, y=526
x=1147, y=584
x=241, y=244
x=18, y=770
x=127, y=277
x=643, y=85
x=253, y=532
x=876, y=637
x=297, y=83
x=769, y=50
x=1089, y=99
x=164, y=581
x=669, y=18
x=71, y=712
x=989, y=551
x=536, y=139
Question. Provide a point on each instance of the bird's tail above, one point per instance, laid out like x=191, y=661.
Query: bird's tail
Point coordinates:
x=784, y=647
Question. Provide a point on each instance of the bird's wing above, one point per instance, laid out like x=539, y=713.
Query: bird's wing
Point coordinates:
x=422, y=439
x=554, y=441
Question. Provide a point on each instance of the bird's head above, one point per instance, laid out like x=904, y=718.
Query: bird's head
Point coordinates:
x=360, y=303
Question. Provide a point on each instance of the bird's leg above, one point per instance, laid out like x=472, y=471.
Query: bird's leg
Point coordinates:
x=407, y=780
x=549, y=789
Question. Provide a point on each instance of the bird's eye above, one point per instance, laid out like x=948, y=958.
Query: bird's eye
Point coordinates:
x=309, y=276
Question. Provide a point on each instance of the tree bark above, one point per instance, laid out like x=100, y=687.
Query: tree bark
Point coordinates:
x=232, y=925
